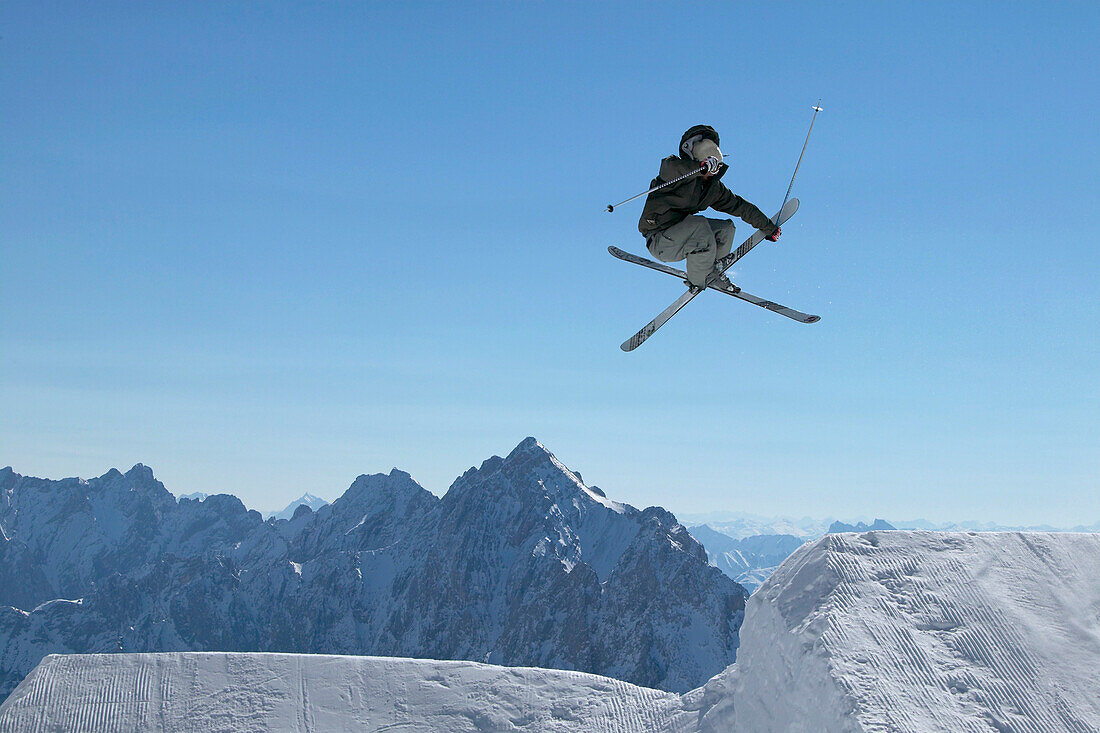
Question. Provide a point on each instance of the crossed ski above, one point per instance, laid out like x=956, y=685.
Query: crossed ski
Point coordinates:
x=719, y=286
x=712, y=282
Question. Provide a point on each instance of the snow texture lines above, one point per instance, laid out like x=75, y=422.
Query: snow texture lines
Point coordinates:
x=302, y=693
x=929, y=631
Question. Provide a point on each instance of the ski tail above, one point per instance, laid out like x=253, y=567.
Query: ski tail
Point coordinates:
x=773, y=307
x=648, y=329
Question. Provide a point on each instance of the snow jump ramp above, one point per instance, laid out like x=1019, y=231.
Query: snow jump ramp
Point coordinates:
x=920, y=631
x=881, y=631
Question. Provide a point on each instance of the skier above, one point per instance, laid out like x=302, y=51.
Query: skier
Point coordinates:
x=669, y=221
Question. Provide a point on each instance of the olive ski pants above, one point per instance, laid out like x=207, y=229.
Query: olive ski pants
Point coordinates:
x=700, y=240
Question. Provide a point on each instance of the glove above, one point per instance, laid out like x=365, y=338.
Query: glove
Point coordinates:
x=774, y=237
x=711, y=164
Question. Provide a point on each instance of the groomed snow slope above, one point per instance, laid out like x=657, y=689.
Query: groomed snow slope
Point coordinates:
x=233, y=693
x=882, y=631
x=920, y=631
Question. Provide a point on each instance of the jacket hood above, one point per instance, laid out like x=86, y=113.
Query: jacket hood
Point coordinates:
x=705, y=130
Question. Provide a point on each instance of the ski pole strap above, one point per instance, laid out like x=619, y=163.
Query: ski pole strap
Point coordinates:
x=702, y=167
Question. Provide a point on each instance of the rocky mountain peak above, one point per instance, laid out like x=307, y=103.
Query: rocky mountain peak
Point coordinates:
x=532, y=456
x=290, y=510
x=223, y=505
x=140, y=473
x=531, y=446
x=530, y=473
x=379, y=489
x=142, y=480
x=375, y=511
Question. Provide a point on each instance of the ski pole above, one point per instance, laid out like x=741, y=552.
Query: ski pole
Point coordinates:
x=700, y=169
x=816, y=108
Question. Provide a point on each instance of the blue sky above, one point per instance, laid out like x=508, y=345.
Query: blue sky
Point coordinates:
x=266, y=247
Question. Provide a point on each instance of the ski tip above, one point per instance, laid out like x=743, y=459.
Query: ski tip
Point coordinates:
x=812, y=319
x=787, y=211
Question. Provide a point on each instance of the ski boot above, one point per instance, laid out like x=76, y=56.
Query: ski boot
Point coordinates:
x=720, y=281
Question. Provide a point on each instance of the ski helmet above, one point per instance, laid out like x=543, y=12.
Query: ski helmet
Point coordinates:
x=694, y=135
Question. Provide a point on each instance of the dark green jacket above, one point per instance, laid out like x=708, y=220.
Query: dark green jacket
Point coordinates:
x=677, y=202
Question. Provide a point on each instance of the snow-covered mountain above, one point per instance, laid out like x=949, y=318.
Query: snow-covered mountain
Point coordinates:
x=878, y=524
x=308, y=499
x=750, y=560
x=883, y=631
x=519, y=564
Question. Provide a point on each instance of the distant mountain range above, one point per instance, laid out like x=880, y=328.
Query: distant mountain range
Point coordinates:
x=973, y=526
x=860, y=526
x=750, y=558
x=739, y=525
x=742, y=524
x=311, y=501
x=520, y=563
x=307, y=499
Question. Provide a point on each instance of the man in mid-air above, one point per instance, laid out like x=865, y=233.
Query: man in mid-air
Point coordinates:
x=669, y=222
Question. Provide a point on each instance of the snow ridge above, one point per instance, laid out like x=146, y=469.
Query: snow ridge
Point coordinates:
x=922, y=631
x=249, y=692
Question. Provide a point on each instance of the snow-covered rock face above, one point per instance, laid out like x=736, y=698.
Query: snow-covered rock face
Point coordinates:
x=64, y=535
x=581, y=582
x=519, y=564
